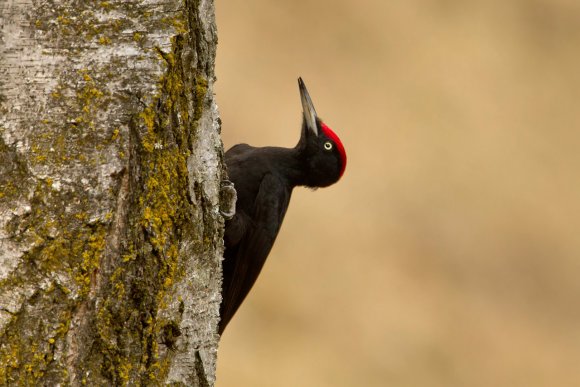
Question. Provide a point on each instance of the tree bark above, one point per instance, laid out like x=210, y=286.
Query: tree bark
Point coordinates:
x=110, y=170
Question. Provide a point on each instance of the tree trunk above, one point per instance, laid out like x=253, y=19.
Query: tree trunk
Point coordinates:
x=110, y=170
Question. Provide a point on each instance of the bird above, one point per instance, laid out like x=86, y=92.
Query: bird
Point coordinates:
x=263, y=178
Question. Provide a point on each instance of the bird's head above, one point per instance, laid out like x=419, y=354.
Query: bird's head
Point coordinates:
x=320, y=147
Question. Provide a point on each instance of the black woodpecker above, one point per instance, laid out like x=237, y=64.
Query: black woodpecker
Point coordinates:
x=264, y=179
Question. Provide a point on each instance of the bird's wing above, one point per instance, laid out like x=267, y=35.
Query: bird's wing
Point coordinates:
x=244, y=260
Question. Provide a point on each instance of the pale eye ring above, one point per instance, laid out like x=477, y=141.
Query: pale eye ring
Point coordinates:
x=328, y=145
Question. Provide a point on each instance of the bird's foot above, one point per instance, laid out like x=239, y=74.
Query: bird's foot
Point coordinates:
x=228, y=198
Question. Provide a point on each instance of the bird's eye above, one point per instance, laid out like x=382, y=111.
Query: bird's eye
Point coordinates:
x=328, y=145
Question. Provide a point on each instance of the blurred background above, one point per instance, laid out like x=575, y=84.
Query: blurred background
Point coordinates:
x=449, y=253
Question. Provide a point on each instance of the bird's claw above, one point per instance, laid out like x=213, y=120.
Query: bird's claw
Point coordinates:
x=228, y=198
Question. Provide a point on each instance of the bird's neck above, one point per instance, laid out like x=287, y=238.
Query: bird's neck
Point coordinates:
x=291, y=165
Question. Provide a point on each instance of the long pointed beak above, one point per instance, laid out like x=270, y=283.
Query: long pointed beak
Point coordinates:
x=307, y=108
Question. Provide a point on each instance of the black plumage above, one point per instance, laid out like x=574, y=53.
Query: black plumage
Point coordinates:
x=264, y=179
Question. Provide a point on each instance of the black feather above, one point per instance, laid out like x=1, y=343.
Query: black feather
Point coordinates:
x=264, y=179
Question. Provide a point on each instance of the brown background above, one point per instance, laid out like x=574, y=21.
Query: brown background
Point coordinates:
x=449, y=253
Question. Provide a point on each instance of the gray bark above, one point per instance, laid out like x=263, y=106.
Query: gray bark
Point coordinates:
x=110, y=168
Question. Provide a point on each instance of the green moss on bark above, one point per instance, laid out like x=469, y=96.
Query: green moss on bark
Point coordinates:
x=162, y=215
